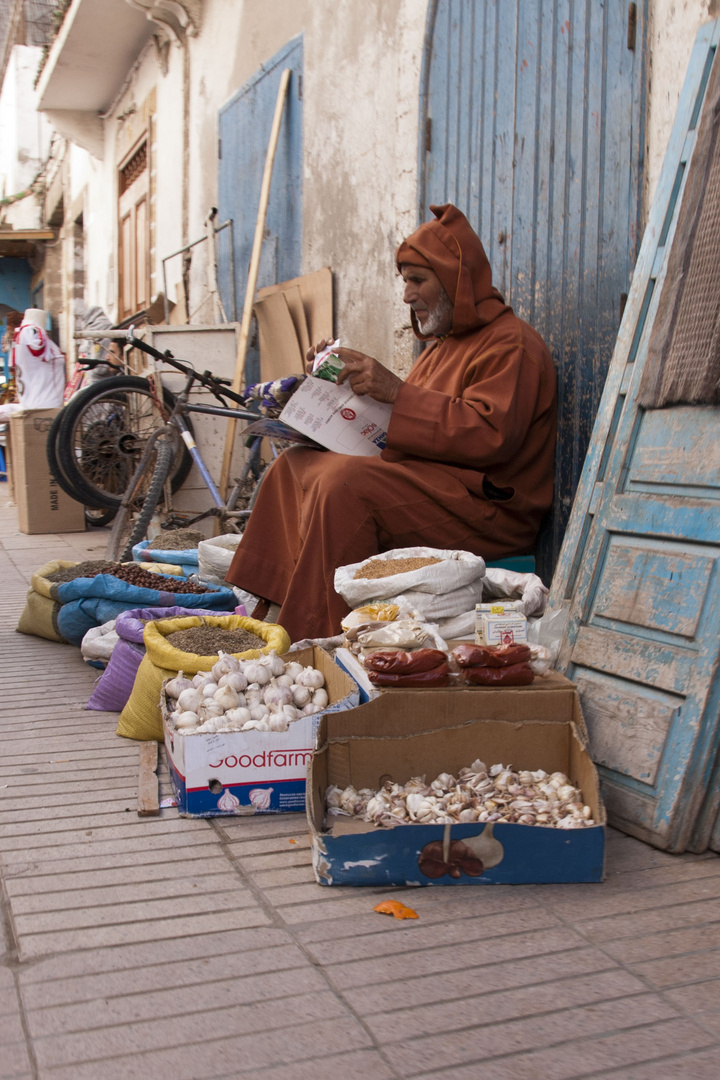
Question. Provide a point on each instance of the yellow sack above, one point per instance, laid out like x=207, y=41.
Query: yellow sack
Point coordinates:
x=141, y=719
x=39, y=617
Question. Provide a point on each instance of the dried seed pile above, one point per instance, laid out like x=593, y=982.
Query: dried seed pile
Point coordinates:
x=146, y=579
x=89, y=568
x=212, y=640
x=176, y=540
x=380, y=568
x=476, y=794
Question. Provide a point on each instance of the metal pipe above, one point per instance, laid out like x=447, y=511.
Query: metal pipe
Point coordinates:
x=187, y=247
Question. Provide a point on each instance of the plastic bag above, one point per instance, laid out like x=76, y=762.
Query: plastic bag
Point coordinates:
x=405, y=663
x=515, y=675
x=185, y=558
x=509, y=583
x=455, y=570
x=215, y=556
x=98, y=644
x=437, y=676
x=496, y=656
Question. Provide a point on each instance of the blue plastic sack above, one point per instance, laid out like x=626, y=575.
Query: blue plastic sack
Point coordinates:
x=88, y=602
x=187, y=557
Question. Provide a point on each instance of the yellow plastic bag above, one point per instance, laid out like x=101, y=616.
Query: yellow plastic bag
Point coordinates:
x=141, y=719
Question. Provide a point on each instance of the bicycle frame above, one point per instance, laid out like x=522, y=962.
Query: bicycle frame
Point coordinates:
x=223, y=508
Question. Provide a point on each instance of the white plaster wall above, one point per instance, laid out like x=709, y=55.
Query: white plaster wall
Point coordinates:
x=24, y=135
x=672, y=28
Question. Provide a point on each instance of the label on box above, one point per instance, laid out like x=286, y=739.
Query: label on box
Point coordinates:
x=337, y=418
x=503, y=627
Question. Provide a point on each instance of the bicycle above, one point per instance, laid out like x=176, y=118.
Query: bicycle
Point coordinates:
x=165, y=444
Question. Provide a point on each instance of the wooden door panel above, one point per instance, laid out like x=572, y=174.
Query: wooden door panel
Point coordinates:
x=628, y=723
x=666, y=667
x=646, y=584
x=677, y=449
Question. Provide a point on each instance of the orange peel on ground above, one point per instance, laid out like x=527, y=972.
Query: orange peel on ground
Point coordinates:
x=395, y=908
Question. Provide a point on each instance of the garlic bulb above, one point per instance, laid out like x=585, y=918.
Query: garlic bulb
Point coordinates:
x=310, y=676
x=253, y=695
x=276, y=696
x=293, y=669
x=238, y=716
x=309, y=709
x=300, y=695
x=187, y=719
x=259, y=712
x=284, y=680
x=174, y=687
x=235, y=679
x=478, y=794
x=224, y=665
x=190, y=699
x=255, y=672
x=290, y=713
x=209, y=689
x=273, y=662
x=201, y=679
x=277, y=722
x=320, y=698
x=227, y=697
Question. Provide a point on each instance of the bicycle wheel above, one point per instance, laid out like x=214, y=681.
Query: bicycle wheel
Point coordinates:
x=94, y=515
x=129, y=529
x=102, y=435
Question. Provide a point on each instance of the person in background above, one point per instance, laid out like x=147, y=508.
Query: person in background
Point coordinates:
x=469, y=462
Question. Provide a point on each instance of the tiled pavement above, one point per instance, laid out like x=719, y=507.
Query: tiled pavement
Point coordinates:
x=173, y=949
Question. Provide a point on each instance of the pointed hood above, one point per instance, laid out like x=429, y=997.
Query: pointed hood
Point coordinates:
x=451, y=248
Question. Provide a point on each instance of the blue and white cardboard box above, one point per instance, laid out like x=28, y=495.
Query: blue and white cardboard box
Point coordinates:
x=252, y=772
x=404, y=734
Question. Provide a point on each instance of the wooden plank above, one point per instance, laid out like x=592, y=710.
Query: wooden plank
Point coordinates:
x=253, y=272
x=664, y=666
x=148, y=801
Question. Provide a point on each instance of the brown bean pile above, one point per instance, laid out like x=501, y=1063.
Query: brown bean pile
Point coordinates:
x=380, y=568
x=210, y=640
x=145, y=579
x=89, y=568
x=176, y=540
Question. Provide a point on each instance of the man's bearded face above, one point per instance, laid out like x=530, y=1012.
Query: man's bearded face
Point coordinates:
x=426, y=296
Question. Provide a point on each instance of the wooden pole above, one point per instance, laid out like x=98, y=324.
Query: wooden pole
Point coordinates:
x=253, y=273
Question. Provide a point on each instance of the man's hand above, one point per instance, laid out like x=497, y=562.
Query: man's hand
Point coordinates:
x=365, y=375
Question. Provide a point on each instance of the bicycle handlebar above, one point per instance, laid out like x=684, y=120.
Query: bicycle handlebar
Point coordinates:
x=216, y=385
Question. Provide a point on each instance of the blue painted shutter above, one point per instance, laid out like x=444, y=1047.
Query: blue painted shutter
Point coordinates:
x=243, y=131
x=534, y=118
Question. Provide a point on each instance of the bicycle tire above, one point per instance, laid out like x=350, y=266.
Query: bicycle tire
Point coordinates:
x=96, y=516
x=102, y=434
x=125, y=534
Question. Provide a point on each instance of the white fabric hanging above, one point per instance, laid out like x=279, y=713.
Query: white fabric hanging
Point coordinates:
x=39, y=368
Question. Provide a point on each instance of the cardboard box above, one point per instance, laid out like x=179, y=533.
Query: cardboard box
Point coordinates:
x=42, y=505
x=408, y=733
x=265, y=771
x=337, y=418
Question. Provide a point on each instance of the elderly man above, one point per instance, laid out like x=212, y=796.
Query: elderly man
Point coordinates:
x=470, y=450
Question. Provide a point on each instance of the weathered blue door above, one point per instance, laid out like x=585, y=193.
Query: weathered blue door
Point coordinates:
x=532, y=123
x=244, y=125
x=640, y=567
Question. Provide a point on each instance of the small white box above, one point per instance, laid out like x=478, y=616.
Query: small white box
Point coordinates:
x=499, y=624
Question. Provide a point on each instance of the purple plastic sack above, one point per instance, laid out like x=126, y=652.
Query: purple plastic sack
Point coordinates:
x=114, y=686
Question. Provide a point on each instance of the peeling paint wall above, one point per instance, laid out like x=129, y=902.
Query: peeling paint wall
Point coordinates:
x=362, y=64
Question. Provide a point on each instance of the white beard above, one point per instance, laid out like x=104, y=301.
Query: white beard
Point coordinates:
x=439, y=321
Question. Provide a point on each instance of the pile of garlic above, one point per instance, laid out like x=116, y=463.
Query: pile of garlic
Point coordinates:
x=240, y=695
x=476, y=794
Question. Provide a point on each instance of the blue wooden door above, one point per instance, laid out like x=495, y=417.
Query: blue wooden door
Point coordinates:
x=640, y=567
x=243, y=133
x=532, y=123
